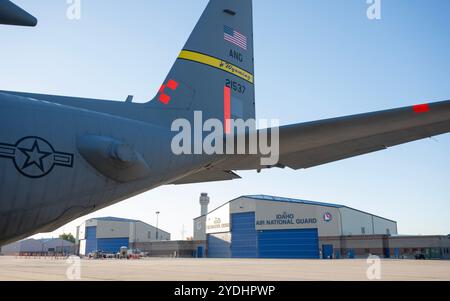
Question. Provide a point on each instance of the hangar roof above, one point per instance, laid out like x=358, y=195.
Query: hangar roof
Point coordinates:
x=116, y=219
x=125, y=220
x=263, y=197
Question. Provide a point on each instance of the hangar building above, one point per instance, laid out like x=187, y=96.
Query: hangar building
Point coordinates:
x=109, y=234
x=260, y=226
x=39, y=247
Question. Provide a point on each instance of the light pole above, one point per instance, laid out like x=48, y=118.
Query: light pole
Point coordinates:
x=157, y=214
x=134, y=240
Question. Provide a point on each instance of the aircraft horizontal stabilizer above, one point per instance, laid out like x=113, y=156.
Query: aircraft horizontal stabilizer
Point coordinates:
x=208, y=176
x=315, y=143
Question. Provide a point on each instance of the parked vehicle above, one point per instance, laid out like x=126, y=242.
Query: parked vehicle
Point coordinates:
x=419, y=256
x=123, y=253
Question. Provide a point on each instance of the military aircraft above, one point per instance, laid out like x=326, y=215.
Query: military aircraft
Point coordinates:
x=64, y=157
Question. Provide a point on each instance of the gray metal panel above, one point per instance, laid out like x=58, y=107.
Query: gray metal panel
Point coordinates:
x=200, y=228
x=112, y=229
x=353, y=221
x=384, y=226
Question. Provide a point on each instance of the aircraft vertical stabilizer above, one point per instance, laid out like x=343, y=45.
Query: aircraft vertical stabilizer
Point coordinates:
x=214, y=72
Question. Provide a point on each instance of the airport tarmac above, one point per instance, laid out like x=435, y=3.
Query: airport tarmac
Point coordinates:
x=168, y=269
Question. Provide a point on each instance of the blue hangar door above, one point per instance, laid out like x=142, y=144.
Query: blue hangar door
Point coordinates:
x=91, y=239
x=219, y=245
x=296, y=243
x=243, y=235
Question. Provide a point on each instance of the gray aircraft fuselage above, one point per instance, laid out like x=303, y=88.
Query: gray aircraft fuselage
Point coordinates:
x=44, y=179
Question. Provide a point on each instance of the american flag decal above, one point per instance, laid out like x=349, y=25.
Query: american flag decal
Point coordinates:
x=235, y=37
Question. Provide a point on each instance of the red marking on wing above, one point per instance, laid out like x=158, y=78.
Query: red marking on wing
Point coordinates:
x=227, y=109
x=422, y=108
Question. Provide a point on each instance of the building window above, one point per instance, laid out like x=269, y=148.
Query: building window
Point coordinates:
x=363, y=230
x=388, y=232
x=149, y=235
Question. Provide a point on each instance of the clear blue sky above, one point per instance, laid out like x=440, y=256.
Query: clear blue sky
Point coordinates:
x=314, y=59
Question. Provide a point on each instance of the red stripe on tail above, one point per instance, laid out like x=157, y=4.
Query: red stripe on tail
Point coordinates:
x=227, y=109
